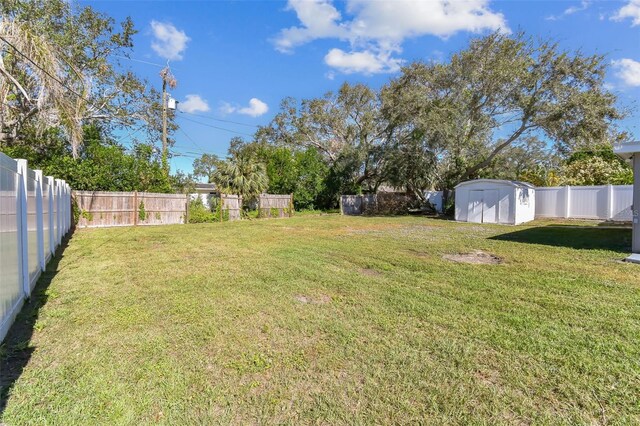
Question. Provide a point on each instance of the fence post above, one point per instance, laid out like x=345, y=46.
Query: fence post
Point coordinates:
x=341, y=211
x=52, y=234
x=135, y=208
x=58, y=211
x=291, y=206
x=186, y=208
x=610, y=202
x=40, y=219
x=69, y=207
x=63, y=208
x=567, y=201
x=22, y=226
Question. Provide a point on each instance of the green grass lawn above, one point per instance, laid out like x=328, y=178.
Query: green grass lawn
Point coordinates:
x=331, y=320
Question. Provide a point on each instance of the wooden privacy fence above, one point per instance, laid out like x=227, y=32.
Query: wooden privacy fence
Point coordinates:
x=272, y=205
x=96, y=209
x=35, y=215
x=231, y=207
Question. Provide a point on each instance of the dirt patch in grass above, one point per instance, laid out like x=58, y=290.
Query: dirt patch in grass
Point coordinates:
x=370, y=272
x=323, y=299
x=477, y=257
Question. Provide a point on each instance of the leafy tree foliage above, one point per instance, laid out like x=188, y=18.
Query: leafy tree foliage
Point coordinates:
x=598, y=166
x=63, y=69
x=345, y=127
x=499, y=92
x=102, y=164
x=205, y=166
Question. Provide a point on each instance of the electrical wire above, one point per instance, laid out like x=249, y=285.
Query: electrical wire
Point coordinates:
x=220, y=119
x=216, y=127
x=60, y=82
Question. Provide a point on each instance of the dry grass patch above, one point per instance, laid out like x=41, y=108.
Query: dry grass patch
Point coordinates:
x=476, y=257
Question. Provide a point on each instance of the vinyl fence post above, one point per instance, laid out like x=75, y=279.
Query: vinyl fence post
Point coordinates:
x=58, y=187
x=40, y=219
x=52, y=231
x=567, y=201
x=610, y=201
x=63, y=208
x=22, y=227
x=341, y=211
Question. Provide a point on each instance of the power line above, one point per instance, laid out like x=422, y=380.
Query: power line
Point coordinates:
x=140, y=60
x=216, y=127
x=19, y=52
x=40, y=68
x=220, y=119
x=191, y=139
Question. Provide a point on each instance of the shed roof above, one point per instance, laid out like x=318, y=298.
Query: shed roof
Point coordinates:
x=514, y=183
x=626, y=150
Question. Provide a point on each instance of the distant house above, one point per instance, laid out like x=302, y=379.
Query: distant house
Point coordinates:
x=205, y=191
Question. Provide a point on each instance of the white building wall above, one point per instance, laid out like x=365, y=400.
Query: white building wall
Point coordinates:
x=525, y=205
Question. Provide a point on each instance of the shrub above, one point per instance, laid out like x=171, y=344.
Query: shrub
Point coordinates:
x=198, y=213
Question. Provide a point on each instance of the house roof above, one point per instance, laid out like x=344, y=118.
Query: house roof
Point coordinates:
x=626, y=150
x=514, y=183
x=206, y=187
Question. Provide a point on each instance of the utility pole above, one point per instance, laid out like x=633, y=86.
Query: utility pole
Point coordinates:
x=170, y=80
x=165, y=154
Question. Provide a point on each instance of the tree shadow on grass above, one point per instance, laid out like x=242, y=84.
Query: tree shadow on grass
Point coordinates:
x=16, y=350
x=616, y=239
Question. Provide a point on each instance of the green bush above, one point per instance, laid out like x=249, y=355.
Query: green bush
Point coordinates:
x=198, y=213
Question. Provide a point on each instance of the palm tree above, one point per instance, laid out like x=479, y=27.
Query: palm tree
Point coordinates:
x=242, y=175
x=31, y=75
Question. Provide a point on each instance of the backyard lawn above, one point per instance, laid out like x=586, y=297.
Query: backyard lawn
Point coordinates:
x=329, y=319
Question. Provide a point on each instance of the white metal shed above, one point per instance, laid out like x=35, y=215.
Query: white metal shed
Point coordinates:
x=495, y=201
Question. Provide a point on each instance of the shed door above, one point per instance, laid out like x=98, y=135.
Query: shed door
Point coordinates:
x=490, y=206
x=475, y=207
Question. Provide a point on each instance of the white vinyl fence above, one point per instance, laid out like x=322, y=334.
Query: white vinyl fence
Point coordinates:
x=607, y=202
x=35, y=214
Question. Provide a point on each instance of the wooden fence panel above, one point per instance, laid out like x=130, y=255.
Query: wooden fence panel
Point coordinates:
x=233, y=205
x=272, y=205
x=103, y=209
x=162, y=209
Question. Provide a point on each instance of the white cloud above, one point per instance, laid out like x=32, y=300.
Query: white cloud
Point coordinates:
x=628, y=71
x=169, y=42
x=375, y=30
x=365, y=62
x=630, y=10
x=193, y=103
x=256, y=108
x=584, y=4
x=319, y=19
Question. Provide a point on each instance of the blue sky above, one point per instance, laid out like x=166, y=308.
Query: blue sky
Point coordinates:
x=236, y=60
